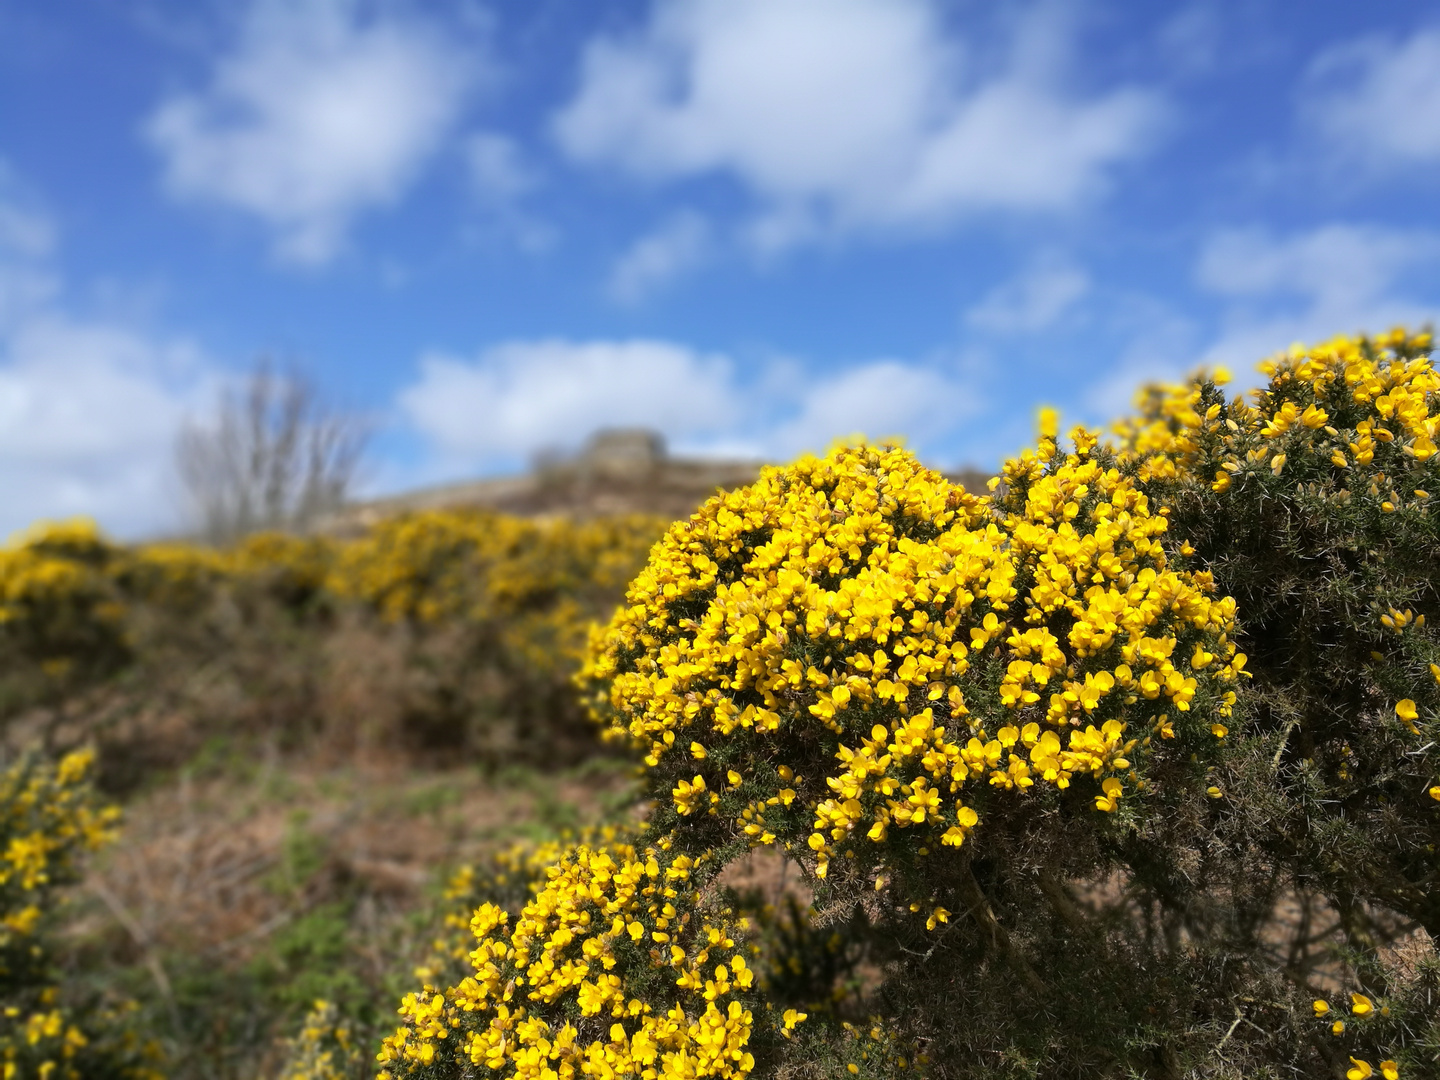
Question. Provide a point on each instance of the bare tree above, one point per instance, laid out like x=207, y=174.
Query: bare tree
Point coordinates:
x=273, y=456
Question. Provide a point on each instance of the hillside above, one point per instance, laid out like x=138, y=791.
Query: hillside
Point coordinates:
x=620, y=471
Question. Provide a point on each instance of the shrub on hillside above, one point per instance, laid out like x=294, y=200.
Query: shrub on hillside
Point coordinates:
x=1127, y=770
x=458, y=629
x=62, y=621
x=1311, y=505
x=49, y=1028
x=492, y=613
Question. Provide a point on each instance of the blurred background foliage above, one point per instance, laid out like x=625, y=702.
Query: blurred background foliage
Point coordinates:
x=444, y=632
x=305, y=732
x=332, y=751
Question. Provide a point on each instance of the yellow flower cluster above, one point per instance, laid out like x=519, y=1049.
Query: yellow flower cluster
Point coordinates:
x=424, y=566
x=537, y=583
x=1350, y=424
x=324, y=1048
x=1360, y=413
x=615, y=968
x=176, y=576
x=1362, y=1008
x=509, y=879
x=837, y=651
x=48, y=818
x=57, y=605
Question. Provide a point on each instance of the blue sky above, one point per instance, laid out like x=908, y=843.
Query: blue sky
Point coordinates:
x=755, y=225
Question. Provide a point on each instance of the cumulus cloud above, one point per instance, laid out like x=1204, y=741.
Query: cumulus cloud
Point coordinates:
x=880, y=399
x=1379, y=99
x=521, y=397
x=1274, y=289
x=1309, y=285
x=89, y=408
x=848, y=113
x=317, y=114
x=1033, y=301
x=677, y=246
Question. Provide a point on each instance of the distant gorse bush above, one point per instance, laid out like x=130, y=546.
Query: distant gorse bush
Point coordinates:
x=438, y=632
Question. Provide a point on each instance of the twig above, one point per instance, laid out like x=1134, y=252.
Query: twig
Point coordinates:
x=146, y=946
x=1280, y=750
x=1223, y=1041
x=980, y=907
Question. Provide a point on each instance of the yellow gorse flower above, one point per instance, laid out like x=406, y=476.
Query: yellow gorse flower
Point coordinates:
x=946, y=648
x=49, y=818
x=1352, y=423
x=603, y=916
x=324, y=1049
x=1408, y=714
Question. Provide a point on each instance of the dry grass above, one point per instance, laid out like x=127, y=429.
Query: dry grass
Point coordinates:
x=249, y=882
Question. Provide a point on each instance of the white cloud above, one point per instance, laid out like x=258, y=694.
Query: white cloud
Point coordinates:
x=1311, y=285
x=1380, y=100
x=525, y=396
x=316, y=115
x=1273, y=290
x=884, y=398
x=521, y=397
x=89, y=409
x=1033, y=301
x=848, y=113
x=496, y=166
x=677, y=246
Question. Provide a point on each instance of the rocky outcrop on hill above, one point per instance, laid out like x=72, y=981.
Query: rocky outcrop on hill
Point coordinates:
x=619, y=471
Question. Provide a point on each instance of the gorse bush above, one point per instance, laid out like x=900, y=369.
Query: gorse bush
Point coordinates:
x=459, y=630
x=1126, y=769
x=859, y=611
x=1312, y=506
x=573, y=1025
x=49, y=1029
x=617, y=966
x=497, y=608
x=60, y=617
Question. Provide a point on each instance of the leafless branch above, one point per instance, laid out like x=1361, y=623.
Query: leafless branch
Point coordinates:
x=273, y=457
